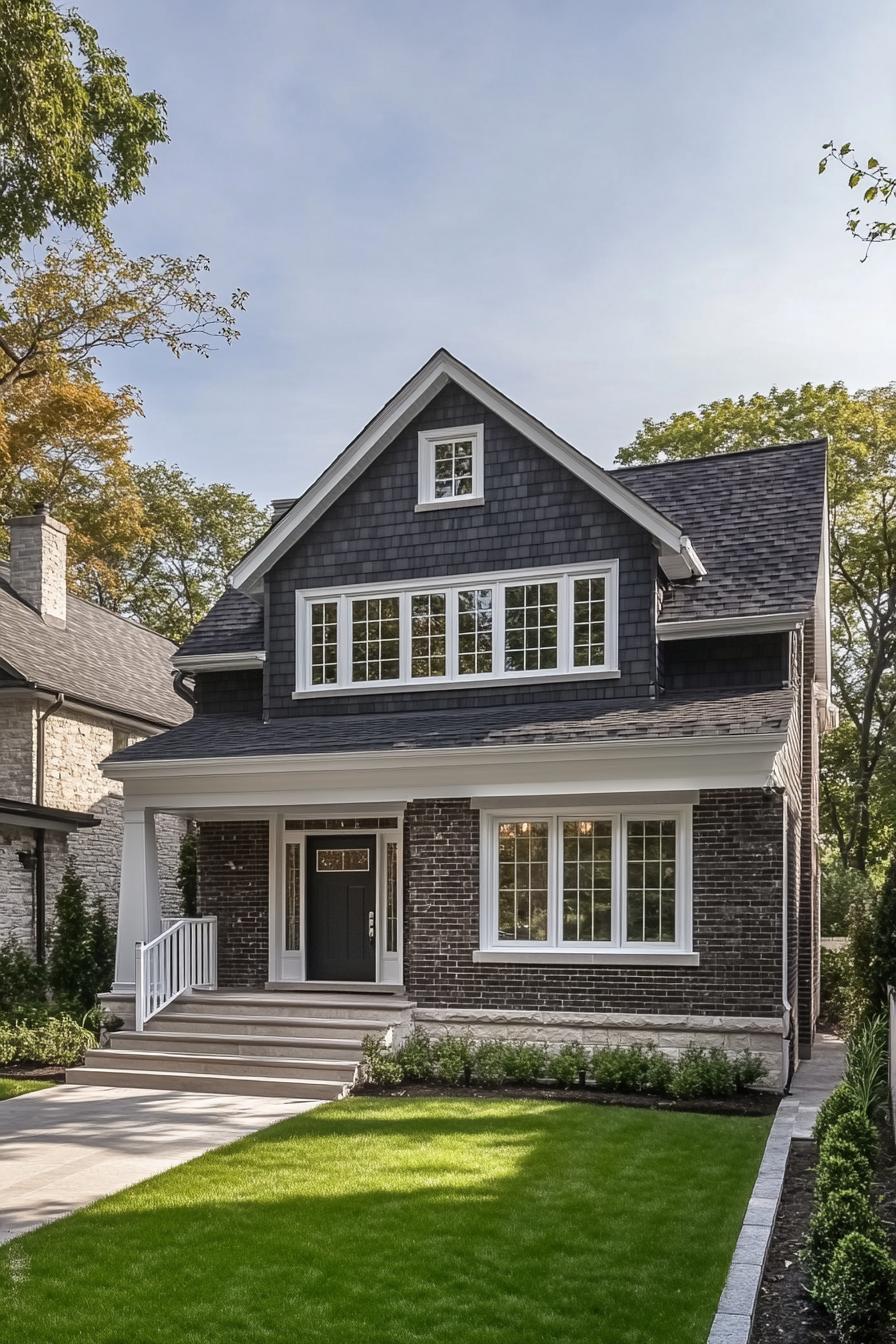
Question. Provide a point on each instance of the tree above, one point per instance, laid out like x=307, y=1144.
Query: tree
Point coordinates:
x=81, y=960
x=859, y=759
x=74, y=138
x=195, y=535
x=876, y=183
x=65, y=441
x=59, y=312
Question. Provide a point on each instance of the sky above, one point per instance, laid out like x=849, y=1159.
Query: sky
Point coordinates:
x=610, y=210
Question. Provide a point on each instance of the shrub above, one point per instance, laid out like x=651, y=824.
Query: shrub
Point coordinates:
x=621, y=1068
x=568, y=1064
x=749, y=1069
x=23, y=981
x=488, y=1064
x=860, y=1289
x=866, y=1064
x=843, y=1212
x=188, y=875
x=853, y=1128
x=414, y=1058
x=838, y=1103
x=8, y=1043
x=841, y=888
x=82, y=949
x=841, y=1167
x=835, y=985
x=882, y=969
x=60, y=1040
x=453, y=1059
x=703, y=1072
x=524, y=1063
x=381, y=1065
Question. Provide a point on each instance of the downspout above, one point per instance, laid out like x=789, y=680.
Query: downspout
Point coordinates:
x=785, y=957
x=40, y=871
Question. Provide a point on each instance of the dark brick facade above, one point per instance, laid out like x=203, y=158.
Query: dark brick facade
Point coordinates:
x=535, y=513
x=737, y=907
x=233, y=885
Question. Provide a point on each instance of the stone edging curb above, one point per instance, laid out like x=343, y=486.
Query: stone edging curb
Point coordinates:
x=734, y=1314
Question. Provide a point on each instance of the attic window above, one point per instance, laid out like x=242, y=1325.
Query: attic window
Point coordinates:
x=450, y=467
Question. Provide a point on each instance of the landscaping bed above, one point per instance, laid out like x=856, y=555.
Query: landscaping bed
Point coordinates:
x=744, y=1103
x=50, y=1073
x=399, y=1220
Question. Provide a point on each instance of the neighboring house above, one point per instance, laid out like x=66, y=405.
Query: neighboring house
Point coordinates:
x=76, y=682
x=534, y=740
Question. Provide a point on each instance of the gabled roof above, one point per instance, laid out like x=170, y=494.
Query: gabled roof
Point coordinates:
x=98, y=658
x=758, y=520
x=235, y=625
x=676, y=552
x=703, y=714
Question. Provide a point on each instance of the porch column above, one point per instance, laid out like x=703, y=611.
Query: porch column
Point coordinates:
x=139, y=914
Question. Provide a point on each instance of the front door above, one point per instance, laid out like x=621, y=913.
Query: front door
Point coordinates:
x=341, y=915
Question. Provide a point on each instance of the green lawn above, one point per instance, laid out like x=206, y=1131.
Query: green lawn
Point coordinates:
x=15, y=1087
x=385, y=1221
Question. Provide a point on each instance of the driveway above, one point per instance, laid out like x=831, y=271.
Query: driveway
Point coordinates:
x=67, y=1146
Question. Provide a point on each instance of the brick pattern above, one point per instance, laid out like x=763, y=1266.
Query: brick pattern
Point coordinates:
x=233, y=885
x=536, y=513
x=737, y=901
x=37, y=572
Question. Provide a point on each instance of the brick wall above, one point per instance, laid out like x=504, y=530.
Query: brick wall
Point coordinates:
x=737, y=875
x=535, y=513
x=17, y=736
x=233, y=885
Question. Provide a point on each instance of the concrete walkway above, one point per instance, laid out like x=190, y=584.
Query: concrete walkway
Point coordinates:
x=67, y=1146
x=815, y=1080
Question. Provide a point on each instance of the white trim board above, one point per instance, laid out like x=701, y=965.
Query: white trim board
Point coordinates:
x=720, y=626
x=219, y=662
x=407, y=403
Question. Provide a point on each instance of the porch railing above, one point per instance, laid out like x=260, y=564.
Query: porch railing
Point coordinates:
x=184, y=956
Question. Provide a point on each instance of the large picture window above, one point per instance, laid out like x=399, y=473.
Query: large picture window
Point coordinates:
x=513, y=625
x=613, y=879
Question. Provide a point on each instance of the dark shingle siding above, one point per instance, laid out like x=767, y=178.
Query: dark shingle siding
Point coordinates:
x=536, y=513
x=697, y=715
x=235, y=624
x=230, y=693
x=745, y=660
x=756, y=520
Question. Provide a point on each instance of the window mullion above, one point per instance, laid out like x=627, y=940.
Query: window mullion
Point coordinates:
x=618, y=870
x=451, y=649
x=344, y=641
x=564, y=624
x=555, y=888
x=404, y=638
x=498, y=668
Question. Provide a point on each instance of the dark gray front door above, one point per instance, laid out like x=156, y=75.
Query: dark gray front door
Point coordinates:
x=341, y=907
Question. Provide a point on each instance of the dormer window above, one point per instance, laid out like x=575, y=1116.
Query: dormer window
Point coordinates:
x=450, y=467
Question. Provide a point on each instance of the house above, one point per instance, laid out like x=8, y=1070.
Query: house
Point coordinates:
x=76, y=683
x=489, y=738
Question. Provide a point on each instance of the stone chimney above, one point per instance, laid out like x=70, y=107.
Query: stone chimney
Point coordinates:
x=37, y=563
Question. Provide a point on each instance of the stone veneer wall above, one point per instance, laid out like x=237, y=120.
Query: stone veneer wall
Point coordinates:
x=75, y=743
x=233, y=885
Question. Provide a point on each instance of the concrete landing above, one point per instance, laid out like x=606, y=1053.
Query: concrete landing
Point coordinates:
x=68, y=1146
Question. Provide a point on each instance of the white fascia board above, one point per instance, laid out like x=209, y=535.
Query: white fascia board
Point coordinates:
x=364, y=778
x=218, y=662
x=390, y=421
x=708, y=627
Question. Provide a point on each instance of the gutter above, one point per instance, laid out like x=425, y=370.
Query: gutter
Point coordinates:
x=40, y=870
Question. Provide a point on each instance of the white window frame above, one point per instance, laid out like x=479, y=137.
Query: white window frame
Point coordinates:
x=564, y=575
x=426, y=467
x=554, y=948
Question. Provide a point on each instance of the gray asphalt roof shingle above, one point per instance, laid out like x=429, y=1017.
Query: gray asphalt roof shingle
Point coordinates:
x=756, y=520
x=99, y=657
x=706, y=714
x=235, y=624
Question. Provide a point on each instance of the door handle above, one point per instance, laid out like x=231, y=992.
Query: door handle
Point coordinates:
x=371, y=927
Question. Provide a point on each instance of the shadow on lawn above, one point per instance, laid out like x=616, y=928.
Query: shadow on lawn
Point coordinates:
x=369, y=1222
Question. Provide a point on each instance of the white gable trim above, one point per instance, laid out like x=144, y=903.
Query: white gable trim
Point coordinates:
x=395, y=416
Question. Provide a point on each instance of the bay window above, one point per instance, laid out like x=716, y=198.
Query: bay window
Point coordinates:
x=607, y=879
x=508, y=626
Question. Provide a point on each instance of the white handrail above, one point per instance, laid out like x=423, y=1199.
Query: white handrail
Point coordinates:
x=184, y=956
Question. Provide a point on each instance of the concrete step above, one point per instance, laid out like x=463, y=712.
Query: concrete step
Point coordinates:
x=231, y=1066
x=210, y=1043
x=381, y=1007
x=247, y=1085
x=333, y=987
x=252, y=1025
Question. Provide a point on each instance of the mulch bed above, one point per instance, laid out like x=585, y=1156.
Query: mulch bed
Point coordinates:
x=784, y=1310
x=745, y=1103
x=50, y=1073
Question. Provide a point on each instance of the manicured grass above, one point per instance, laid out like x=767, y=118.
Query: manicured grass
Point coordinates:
x=386, y=1221
x=16, y=1087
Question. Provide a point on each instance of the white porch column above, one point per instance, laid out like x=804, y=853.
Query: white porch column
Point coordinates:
x=139, y=914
